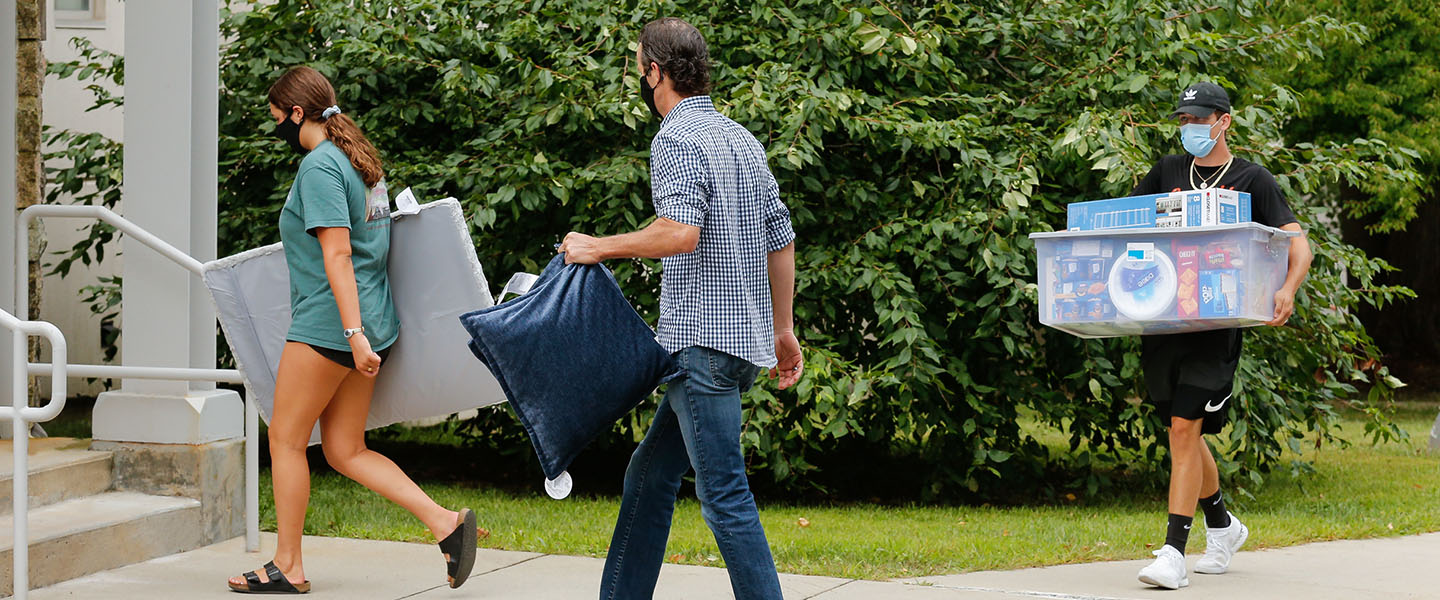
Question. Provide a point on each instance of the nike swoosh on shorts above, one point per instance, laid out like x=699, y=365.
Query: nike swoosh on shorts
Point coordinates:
x=1213, y=408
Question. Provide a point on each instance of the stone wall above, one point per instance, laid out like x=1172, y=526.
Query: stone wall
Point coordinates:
x=29, y=165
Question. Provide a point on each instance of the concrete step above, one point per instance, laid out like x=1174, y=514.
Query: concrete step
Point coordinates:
x=87, y=535
x=60, y=469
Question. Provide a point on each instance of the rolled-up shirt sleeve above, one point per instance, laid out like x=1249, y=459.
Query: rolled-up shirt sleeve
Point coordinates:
x=677, y=181
x=323, y=199
x=778, y=230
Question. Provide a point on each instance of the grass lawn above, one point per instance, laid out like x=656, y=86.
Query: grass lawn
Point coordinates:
x=1357, y=492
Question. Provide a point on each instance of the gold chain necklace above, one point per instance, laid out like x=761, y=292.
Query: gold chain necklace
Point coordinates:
x=1206, y=182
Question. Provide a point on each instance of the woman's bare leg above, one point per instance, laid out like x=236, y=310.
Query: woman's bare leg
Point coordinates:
x=304, y=386
x=342, y=431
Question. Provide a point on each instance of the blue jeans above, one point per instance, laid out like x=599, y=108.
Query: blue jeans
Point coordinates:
x=696, y=425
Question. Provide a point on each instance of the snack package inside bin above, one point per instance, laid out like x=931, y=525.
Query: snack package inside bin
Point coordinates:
x=1080, y=270
x=1187, y=296
x=1219, y=293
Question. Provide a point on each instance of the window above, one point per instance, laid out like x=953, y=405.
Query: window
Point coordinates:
x=80, y=13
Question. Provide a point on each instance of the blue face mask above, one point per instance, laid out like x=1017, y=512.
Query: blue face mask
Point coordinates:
x=1196, y=139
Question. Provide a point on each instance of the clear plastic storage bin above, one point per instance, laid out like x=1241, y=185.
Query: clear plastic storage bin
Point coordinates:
x=1097, y=284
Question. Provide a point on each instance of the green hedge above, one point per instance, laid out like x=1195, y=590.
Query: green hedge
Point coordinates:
x=917, y=145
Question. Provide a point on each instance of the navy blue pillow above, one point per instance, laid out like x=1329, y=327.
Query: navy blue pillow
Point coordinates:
x=572, y=356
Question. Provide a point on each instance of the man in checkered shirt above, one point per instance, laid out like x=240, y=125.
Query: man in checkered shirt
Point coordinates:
x=727, y=287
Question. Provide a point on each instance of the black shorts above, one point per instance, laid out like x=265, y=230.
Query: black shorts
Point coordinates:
x=345, y=358
x=1192, y=375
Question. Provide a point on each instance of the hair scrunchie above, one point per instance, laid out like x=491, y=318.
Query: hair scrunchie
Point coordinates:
x=330, y=112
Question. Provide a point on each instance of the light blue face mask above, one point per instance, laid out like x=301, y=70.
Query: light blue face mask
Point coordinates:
x=1196, y=138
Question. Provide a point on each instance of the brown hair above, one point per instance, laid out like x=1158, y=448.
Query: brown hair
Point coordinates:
x=308, y=89
x=680, y=51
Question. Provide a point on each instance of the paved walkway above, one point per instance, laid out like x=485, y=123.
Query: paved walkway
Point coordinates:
x=1396, y=568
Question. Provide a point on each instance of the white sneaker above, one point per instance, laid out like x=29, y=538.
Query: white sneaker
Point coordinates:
x=1168, y=570
x=1221, y=546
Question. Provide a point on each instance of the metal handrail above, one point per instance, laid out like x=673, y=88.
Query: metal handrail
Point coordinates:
x=85, y=211
x=160, y=373
x=21, y=415
x=57, y=369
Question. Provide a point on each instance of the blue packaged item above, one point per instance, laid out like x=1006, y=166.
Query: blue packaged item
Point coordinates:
x=1071, y=269
x=1095, y=308
x=1095, y=269
x=572, y=357
x=1135, y=279
x=1219, y=293
x=1069, y=310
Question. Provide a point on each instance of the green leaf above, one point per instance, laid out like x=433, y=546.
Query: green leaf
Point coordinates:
x=1136, y=82
x=872, y=44
x=907, y=44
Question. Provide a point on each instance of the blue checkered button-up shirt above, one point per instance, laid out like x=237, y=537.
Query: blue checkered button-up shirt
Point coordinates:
x=710, y=172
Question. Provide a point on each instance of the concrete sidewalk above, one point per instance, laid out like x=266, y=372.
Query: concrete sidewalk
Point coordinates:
x=1393, y=568
x=1389, y=569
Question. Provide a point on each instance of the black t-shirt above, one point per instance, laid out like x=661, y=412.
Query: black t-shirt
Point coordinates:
x=1267, y=203
x=1205, y=359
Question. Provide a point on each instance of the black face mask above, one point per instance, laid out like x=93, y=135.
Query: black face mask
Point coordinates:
x=647, y=93
x=290, y=132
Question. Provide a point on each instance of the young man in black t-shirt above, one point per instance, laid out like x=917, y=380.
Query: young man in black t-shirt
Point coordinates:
x=1190, y=376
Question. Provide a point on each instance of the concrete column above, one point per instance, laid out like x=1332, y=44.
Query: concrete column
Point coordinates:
x=171, y=128
x=173, y=437
x=163, y=185
x=204, y=175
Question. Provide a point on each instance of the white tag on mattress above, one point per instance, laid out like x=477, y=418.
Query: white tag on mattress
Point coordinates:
x=405, y=203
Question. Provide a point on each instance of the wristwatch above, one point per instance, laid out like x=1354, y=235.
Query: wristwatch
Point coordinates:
x=349, y=333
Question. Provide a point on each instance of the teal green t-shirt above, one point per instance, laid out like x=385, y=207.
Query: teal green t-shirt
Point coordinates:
x=328, y=192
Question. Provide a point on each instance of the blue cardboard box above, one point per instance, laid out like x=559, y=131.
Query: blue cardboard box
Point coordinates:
x=1175, y=209
x=1216, y=207
x=1134, y=212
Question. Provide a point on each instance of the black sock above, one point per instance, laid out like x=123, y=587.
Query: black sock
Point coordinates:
x=1216, y=516
x=1178, y=532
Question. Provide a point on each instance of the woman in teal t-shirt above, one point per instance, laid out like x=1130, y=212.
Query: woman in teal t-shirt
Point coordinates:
x=337, y=244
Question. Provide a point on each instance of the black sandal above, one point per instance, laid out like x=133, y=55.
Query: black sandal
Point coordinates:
x=278, y=584
x=459, y=548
